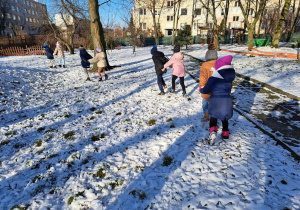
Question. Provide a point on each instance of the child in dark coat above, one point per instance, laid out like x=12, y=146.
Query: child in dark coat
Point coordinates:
x=159, y=60
x=220, y=102
x=85, y=56
x=49, y=53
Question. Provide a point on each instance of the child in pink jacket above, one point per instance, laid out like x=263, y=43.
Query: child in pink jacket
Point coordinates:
x=176, y=61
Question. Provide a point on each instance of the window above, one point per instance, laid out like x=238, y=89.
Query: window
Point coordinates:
x=25, y=10
x=158, y=25
x=169, y=32
x=235, y=18
x=12, y=8
x=33, y=20
x=222, y=11
x=18, y=9
x=30, y=19
x=251, y=12
x=19, y=18
x=142, y=11
x=22, y=27
x=14, y=17
x=9, y=25
x=26, y=19
x=143, y=26
x=157, y=12
x=169, y=18
x=183, y=11
x=236, y=4
x=170, y=3
x=2, y=15
x=197, y=11
x=8, y=15
x=16, y=0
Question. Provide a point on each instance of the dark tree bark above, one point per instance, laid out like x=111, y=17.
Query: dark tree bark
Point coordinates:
x=281, y=23
x=97, y=29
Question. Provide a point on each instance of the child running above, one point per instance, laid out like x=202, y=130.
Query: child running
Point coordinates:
x=220, y=102
x=101, y=63
x=49, y=53
x=159, y=60
x=176, y=61
x=60, y=53
x=85, y=56
x=206, y=71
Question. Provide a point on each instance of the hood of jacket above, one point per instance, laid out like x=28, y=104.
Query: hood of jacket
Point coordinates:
x=158, y=54
x=226, y=72
x=178, y=55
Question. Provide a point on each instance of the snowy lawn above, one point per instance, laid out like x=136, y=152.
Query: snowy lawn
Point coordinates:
x=70, y=144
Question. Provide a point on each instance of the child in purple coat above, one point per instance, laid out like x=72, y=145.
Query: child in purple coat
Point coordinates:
x=220, y=102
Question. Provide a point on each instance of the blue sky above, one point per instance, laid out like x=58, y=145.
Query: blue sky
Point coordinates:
x=113, y=12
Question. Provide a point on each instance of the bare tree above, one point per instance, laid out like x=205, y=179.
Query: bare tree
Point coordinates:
x=154, y=7
x=71, y=13
x=97, y=32
x=294, y=20
x=176, y=16
x=250, y=26
x=212, y=12
x=223, y=25
x=281, y=23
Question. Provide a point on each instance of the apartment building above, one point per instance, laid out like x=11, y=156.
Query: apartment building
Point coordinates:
x=165, y=16
x=18, y=17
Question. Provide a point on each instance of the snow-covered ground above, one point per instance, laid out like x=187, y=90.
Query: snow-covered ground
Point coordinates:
x=71, y=144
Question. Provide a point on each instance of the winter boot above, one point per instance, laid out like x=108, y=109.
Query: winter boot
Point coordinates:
x=51, y=67
x=184, y=94
x=59, y=66
x=161, y=94
x=225, y=134
x=100, y=79
x=64, y=66
x=54, y=67
x=205, y=117
x=106, y=77
x=213, y=135
x=88, y=79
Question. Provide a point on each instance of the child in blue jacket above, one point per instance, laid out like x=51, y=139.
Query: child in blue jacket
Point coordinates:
x=85, y=56
x=220, y=102
x=49, y=53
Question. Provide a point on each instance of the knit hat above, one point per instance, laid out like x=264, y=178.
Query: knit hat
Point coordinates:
x=154, y=49
x=81, y=46
x=98, y=50
x=176, y=48
x=211, y=55
x=223, y=61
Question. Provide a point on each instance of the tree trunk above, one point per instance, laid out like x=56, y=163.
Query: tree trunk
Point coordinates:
x=96, y=29
x=250, y=37
x=280, y=24
x=225, y=21
x=294, y=23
